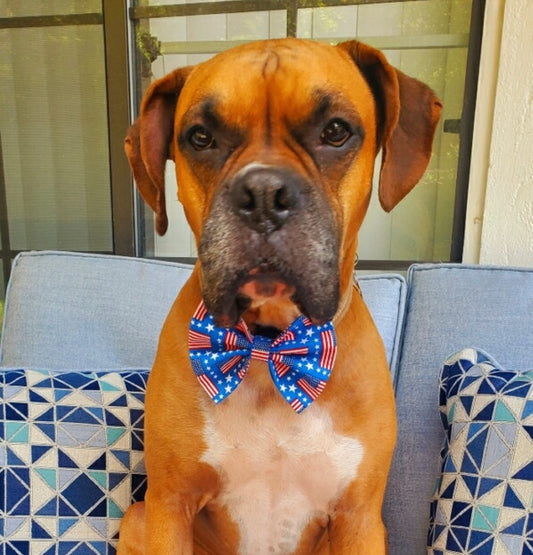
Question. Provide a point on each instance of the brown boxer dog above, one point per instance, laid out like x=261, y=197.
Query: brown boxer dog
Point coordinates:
x=274, y=144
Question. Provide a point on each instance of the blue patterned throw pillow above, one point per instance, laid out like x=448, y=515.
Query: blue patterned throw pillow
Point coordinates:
x=483, y=503
x=71, y=459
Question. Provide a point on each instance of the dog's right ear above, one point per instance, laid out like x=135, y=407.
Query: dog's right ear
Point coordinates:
x=149, y=139
x=408, y=113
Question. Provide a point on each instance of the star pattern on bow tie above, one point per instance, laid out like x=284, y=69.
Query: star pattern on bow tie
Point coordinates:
x=300, y=359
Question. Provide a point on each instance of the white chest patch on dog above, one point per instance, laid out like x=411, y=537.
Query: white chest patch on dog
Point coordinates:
x=279, y=470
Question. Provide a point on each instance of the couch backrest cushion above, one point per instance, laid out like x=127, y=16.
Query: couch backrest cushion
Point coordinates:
x=84, y=311
x=385, y=297
x=68, y=311
x=449, y=307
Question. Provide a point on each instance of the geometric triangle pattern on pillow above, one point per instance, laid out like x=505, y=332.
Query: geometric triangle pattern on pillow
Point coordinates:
x=483, y=500
x=71, y=459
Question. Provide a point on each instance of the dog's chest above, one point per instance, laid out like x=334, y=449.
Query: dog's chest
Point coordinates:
x=281, y=473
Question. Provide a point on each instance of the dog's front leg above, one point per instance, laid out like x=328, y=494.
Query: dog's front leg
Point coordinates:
x=356, y=526
x=132, y=527
x=169, y=525
x=156, y=526
x=357, y=534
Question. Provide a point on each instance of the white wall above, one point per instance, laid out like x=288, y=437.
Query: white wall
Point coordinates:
x=499, y=226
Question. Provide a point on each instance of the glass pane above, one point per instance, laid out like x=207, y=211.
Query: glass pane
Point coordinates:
x=428, y=40
x=325, y=23
x=22, y=8
x=53, y=121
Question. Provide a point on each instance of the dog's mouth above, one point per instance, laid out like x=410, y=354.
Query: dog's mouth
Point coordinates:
x=264, y=283
x=287, y=280
x=252, y=289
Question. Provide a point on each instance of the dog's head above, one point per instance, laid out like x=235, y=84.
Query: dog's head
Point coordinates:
x=274, y=144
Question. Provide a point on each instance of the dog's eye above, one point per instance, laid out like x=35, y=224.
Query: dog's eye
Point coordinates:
x=336, y=133
x=201, y=139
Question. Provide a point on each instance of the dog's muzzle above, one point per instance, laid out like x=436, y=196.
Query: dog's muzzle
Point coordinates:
x=271, y=226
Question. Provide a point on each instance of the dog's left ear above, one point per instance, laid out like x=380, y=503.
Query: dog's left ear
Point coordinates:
x=149, y=139
x=408, y=112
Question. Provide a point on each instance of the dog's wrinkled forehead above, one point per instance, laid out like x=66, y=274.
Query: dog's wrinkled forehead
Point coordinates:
x=271, y=79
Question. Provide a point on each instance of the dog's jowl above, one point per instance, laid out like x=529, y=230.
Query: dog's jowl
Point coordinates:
x=270, y=421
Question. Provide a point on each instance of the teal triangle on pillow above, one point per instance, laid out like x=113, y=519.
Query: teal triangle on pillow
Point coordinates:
x=502, y=413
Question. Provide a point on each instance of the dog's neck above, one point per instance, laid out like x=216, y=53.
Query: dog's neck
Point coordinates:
x=346, y=299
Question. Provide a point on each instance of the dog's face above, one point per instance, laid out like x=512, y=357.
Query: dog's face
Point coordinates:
x=273, y=150
x=274, y=145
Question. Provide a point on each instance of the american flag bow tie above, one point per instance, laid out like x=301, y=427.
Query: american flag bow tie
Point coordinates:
x=300, y=359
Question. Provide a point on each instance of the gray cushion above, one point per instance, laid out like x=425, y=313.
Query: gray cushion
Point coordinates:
x=84, y=311
x=385, y=297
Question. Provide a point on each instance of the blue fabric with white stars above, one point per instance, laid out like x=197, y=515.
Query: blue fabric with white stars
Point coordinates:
x=300, y=359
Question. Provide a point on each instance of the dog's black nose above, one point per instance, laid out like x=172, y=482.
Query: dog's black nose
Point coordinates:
x=265, y=198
